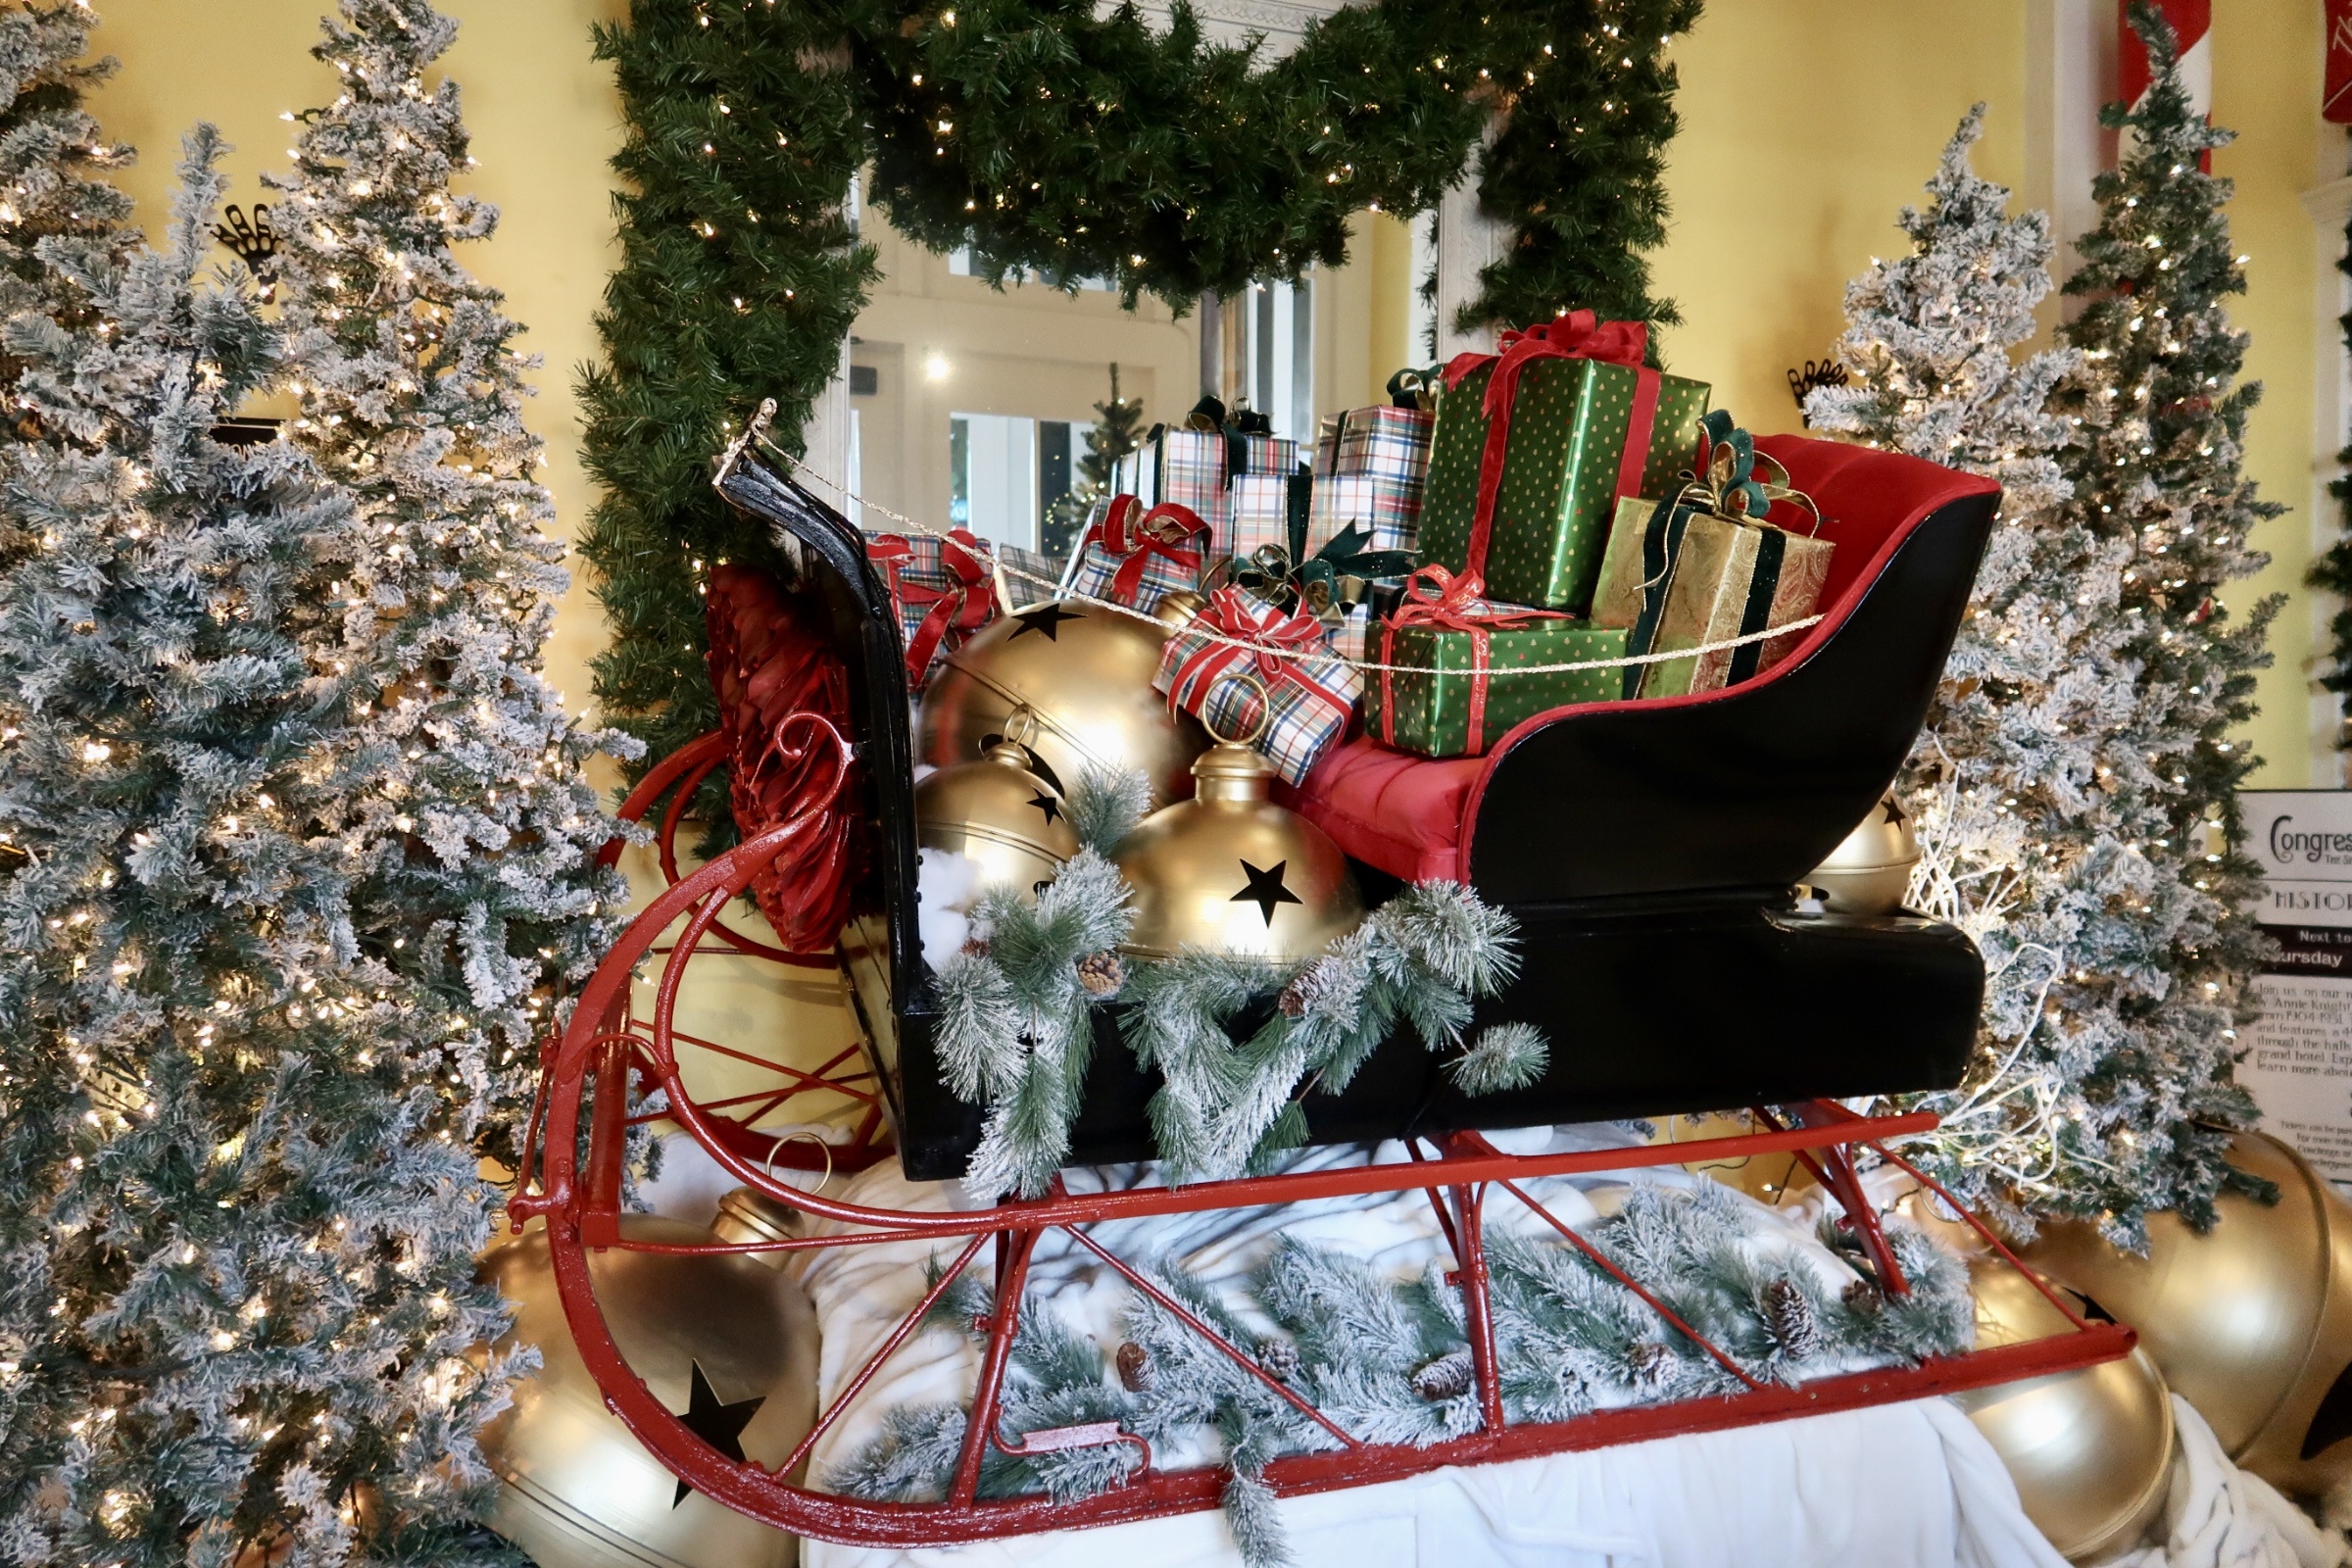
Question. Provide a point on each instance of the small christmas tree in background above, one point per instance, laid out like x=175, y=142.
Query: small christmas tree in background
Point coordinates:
x=239, y=1292
x=2075, y=785
x=478, y=881
x=1117, y=430
x=2332, y=571
x=53, y=161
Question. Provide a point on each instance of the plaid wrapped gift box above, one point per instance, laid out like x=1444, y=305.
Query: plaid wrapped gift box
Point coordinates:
x=1136, y=557
x=1237, y=668
x=942, y=587
x=1369, y=466
x=1192, y=468
x=1261, y=511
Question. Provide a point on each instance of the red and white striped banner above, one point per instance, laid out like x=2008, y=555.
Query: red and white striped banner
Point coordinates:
x=2192, y=36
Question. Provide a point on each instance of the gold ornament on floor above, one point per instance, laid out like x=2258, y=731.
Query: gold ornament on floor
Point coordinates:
x=1230, y=872
x=2251, y=1322
x=1083, y=672
x=728, y=1345
x=1870, y=872
x=2091, y=1450
x=1004, y=818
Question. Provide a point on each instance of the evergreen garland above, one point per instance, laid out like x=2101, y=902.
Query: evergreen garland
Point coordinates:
x=1016, y=1012
x=1388, y=1361
x=238, y=1302
x=1046, y=139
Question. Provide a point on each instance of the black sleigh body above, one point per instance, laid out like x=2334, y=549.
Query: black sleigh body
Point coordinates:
x=1648, y=849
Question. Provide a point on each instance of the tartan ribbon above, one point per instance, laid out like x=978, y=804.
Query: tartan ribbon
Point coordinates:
x=1577, y=335
x=1261, y=635
x=1440, y=601
x=1132, y=537
x=967, y=606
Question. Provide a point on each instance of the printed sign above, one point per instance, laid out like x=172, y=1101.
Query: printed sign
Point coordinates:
x=2298, y=1065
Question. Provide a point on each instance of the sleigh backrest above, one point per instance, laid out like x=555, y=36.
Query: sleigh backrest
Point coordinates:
x=1752, y=786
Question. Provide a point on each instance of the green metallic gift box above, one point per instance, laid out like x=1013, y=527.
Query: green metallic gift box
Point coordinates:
x=1569, y=425
x=1427, y=709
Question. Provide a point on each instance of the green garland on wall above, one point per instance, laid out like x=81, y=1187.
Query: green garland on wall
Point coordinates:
x=1046, y=138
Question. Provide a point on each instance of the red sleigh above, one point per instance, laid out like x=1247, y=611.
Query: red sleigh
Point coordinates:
x=1673, y=930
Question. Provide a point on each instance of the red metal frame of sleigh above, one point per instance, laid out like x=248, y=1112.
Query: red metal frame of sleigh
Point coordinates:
x=579, y=1200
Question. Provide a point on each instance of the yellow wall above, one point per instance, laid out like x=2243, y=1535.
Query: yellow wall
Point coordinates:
x=1807, y=124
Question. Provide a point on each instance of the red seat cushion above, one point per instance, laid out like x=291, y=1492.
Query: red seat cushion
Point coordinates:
x=1391, y=809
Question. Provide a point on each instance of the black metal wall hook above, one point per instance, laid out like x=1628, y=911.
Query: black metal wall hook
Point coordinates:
x=252, y=239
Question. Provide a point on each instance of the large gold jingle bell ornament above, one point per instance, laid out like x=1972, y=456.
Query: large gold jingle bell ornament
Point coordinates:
x=1230, y=872
x=1870, y=871
x=995, y=812
x=728, y=1344
x=2091, y=1449
x=1083, y=673
x=2251, y=1323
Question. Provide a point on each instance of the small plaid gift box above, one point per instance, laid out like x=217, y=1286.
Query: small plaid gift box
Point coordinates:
x=1243, y=666
x=942, y=587
x=1261, y=509
x=1369, y=465
x=1138, y=557
x=1352, y=632
x=1192, y=468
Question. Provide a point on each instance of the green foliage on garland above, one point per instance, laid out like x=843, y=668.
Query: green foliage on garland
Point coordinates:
x=1047, y=139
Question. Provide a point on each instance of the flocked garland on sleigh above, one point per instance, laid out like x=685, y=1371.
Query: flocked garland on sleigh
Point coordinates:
x=1016, y=1034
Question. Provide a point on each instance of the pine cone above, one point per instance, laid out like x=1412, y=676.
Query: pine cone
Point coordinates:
x=1649, y=1359
x=1137, y=1374
x=1306, y=989
x=1448, y=1377
x=1789, y=1319
x=975, y=948
x=1863, y=1296
x=1101, y=973
x=1279, y=1359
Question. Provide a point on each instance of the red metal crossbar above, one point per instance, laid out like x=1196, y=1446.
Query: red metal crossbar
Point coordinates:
x=590, y=1070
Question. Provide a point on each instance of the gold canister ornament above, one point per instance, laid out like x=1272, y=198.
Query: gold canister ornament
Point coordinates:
x=996, y=813
x=1870, y=872
x=2091, y=1449
x=728, y=1345
x=2251, y=1321
x=1230, y=872
x=1083, y=672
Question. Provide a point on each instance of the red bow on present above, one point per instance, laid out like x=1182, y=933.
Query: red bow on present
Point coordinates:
x=1577, y=335
x=966, y=606
x=1132, y=537
x=1439, y=600
x=1269, y=631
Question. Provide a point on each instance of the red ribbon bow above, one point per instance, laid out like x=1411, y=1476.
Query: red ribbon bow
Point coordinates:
x=1577, y=335
x=1132, y=537
x=1440, y=601
x=963, y=608
x=1269, y=631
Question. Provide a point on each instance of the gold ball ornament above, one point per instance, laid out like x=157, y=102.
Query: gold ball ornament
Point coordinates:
x=1870, y=872
x=2091, y=1450
x=1004, y=818
x=2251, y=1322
x=1230, y=872
x=1083, y=673
x=728, y=1344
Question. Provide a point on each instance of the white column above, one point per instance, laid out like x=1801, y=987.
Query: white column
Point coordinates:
x=2069, y=72
x=1466, y=241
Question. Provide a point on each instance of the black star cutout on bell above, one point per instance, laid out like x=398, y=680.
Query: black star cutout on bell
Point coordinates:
x=1894, y=810
x=719, y=1425
x=1048, y=805
x=1265, y=889
x=1046, y=618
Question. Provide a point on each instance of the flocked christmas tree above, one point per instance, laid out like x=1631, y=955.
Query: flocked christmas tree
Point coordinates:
x=240, y=1288
x=480, y=882
x=53, y=159
x=2076, y=786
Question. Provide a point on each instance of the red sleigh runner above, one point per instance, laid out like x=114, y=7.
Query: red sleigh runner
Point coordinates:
x=1704, y=812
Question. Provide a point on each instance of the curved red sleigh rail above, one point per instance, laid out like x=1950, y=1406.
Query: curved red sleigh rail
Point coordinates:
x=580, y=1203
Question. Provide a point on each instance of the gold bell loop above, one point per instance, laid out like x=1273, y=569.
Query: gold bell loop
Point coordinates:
x=1265, y=715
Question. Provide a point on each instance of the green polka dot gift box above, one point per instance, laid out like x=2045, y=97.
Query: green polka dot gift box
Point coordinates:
x=1535, y=446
